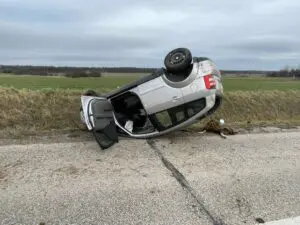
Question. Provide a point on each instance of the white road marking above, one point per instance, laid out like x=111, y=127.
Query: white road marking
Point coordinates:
x=289, y=221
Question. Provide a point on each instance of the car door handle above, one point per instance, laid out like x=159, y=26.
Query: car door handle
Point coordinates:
x=176, y=97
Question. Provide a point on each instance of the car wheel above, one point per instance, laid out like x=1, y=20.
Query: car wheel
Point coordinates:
x=178, y=60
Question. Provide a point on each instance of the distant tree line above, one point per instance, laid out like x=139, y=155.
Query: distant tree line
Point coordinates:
x=100, y=71
x=241, y=72
x=69, y=71
x=286, y=72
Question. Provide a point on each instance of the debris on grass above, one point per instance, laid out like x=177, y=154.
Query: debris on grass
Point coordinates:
x=215, y=126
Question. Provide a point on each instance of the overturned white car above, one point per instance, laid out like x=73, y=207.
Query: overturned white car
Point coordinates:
x=186, y=90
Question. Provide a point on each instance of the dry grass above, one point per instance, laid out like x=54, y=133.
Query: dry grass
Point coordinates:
x=26, y=112
x=264, y=106
x=252, y=109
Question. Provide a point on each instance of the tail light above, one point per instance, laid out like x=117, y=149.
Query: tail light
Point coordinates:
x=210, y=82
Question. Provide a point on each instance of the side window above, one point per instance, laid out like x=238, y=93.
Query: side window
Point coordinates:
x=195, y=107
x=164, y=118
x=173, y=116
x=180, y=116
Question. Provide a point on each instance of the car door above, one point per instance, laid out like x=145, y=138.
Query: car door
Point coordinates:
x=99, y=118
x=156, y=95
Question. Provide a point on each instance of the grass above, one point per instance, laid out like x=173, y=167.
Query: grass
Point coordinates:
x=107, y=83
x=34, y=111
x=33, y=104
x=42, y=82
x=256, y=83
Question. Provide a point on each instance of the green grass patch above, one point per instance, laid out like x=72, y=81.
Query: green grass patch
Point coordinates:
x=112, y=81
x=104, y=83
x=257, y=83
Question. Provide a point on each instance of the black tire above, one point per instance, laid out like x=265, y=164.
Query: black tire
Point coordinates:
x=178, y=60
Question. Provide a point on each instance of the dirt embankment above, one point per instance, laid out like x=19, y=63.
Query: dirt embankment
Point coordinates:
x=30, y=112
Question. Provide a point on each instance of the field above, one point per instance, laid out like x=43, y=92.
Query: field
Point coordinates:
x=42, y=82
x=112, y=81
x=35, y=104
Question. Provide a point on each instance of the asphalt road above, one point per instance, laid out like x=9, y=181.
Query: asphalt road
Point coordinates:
x=245, y=179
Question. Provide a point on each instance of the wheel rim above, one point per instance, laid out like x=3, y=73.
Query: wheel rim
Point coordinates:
x=177, y=58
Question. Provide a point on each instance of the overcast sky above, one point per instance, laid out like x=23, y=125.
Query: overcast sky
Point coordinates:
x=253, y=34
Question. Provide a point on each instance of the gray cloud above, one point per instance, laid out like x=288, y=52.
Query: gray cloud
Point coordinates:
x=235, y=34
x=267, y=44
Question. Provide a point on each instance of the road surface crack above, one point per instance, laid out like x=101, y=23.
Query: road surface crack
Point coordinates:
x=185, y=185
